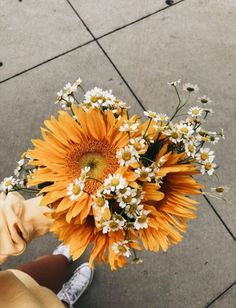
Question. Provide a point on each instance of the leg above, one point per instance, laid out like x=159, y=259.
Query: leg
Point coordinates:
x=49, y=271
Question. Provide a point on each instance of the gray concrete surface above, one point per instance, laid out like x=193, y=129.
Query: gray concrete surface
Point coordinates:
x=194, y=40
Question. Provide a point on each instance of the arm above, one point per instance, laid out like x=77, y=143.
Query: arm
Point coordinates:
x=20, y=221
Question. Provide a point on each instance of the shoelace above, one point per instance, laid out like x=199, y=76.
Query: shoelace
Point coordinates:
x=75, y=288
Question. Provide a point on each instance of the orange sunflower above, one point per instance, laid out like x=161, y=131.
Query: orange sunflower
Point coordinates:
x=68, y=147
x=169, y=214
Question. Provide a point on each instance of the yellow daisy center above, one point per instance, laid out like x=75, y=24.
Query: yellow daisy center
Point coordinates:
x=142, y=219
x=8, y=183
x=174, y=135
x=100, y=202
x=121, y=249
x=127, y=199
x=76, y=189
x=113, y=225
x=137, y=146
x=208, y=166
x=184, y=130
x=115, y=182
x=204, y=156
x=143, y=174
x=195, y=111
x=191, y=148
x=126, y=155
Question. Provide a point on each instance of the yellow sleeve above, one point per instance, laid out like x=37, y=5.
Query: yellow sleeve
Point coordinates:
x=20, y=221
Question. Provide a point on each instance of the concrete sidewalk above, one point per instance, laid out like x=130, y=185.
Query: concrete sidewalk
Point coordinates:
x=135, y=48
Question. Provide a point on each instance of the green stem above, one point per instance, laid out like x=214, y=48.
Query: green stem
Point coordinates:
x=150, y=120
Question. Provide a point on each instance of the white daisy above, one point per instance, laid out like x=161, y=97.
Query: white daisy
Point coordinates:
x=125, y=192
x=145, y=174
x=7, y=184
x=113, y=183
x=75, y=189
x=69, y=89
x=99, y=202
x=141, y=221
x=138, y=143
x=204, y=100
x=113, y=225
x=195, y=111
x=127, y=155
x=129, y=126
x=66, y=101
x=190, y=148
x=59, y=96
x=174, y=83
x=185, y=130
x=133, y=210
x=208, y=168
x=162, y=117
x=150, y=114
x=190, y=87
x=213, y=138
x=130, y=198
x=205, y=155
x=121, y=248
x=78, y=82
x=174, y=134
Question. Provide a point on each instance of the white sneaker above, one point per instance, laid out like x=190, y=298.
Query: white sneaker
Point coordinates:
x=76, y=285
x=63, y=250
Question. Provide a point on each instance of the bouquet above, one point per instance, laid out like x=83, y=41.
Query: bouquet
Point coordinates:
x=115, y=181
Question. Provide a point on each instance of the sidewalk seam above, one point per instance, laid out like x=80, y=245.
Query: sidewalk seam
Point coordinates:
x=94, y=39
x=46, y=61
x=220, y=295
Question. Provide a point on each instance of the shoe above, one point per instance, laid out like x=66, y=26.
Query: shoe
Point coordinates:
x=63, y=250
x=76, y=285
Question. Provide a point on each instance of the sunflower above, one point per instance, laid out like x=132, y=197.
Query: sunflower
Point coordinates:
x=67, y=147
x=169, y=214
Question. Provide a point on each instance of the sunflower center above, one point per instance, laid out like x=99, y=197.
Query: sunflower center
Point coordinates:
x=99, y=155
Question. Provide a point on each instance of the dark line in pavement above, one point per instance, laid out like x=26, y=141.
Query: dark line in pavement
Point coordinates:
x=139, y=19
x=105, y=53
x=221, y=294
x=46, y=61
x=218, y=215
x=94, y=39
